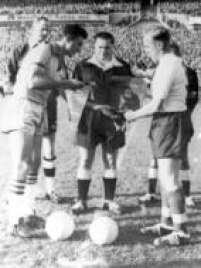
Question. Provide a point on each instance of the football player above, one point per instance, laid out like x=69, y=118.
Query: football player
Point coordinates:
x=36, y=76
x=168, y=108
x=38, y=33
x=191, y=102
x=99, y=124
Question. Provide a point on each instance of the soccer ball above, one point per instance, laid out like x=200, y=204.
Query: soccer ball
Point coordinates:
x=103, y=230
x=59, y=226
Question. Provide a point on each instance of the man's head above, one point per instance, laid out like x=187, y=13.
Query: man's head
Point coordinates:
x=157, y=42
x=39, y=30
x=104, y=45
x=73, y=38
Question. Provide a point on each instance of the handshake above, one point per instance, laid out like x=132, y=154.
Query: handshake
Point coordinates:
x=108, y=111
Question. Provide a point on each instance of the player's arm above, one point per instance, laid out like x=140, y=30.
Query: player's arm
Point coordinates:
x=39, y=78
x=161, y=86
x=147, y=110
x=43, y=82
x=12, y=68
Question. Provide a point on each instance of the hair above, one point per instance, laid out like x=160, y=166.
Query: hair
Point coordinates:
x=160, y=34
x=174, y=47
x=39, y=19
x=73, y=31
x=105, y=36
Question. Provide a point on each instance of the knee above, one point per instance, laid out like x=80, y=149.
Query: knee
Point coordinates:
x=85, y=161
x=20, y=169
x=170, y=185
x=153, y=163
x=110, y=173
x=84, y=173
x=110, y=162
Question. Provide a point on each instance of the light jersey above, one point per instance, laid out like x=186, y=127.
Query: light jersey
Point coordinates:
x=169, y=84
x=38, y=56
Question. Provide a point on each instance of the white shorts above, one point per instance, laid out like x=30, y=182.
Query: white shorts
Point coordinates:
x=23, y=115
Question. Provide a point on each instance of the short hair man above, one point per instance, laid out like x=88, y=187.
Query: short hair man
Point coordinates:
x=168, y=106
x=97, y=126
x=36, y=76
x=191, y=102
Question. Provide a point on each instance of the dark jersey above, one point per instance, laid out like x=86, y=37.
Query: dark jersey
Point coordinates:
x=192, y=89
x=103, y=92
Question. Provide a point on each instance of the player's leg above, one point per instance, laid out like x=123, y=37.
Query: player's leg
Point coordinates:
x=21, y=145
x=109, y=157
x=49, y=167
x=169, y=180
x=185, y=165
x=84, y=176
x=165, y=225
x=185, y=178
x=49, y=156
x=32, y=176
x=151, y=195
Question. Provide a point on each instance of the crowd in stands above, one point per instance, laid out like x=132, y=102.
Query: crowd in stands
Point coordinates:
x=189, y=7
x=128, y=44
x=67, y=6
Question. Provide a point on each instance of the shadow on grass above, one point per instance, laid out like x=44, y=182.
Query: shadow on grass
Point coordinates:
x=130, y=235
x=79, y=235
x=176, y=264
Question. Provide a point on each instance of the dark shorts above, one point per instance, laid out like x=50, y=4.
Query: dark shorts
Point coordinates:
x=185, y=165
x=189, y=132
x=51, y=115
x=167, y=135
x=95, y=128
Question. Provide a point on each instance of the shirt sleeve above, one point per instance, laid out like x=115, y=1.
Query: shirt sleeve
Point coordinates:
x=163, y=78
x=13, y=63
x=42, y=56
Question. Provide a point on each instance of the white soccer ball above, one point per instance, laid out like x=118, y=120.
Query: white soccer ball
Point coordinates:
x=103, y=230
x=59, y=225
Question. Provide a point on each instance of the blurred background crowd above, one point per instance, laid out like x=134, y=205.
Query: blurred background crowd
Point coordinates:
x=128, y=37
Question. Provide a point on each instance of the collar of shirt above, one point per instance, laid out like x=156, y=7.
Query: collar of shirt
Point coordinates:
x=105, y=65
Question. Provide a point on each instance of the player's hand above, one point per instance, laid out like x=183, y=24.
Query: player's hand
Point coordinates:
x=76, y=84
x=129, y=116
x=137, y=71
x=72, y=84
x=107, y=111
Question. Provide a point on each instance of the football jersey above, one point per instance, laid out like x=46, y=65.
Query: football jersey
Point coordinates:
x=39, y=57
x=90, y=70
x=169, y=84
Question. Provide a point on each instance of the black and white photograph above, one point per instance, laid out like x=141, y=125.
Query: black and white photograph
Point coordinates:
x=100, y=133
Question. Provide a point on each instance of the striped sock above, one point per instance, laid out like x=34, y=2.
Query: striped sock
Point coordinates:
x=49, y=171
x=152, y=176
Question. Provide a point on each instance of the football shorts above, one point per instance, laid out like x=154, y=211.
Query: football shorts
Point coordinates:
x=167, y=135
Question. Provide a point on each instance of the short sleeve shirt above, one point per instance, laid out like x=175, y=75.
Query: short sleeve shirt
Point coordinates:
x=40, y=57
x=169, y=84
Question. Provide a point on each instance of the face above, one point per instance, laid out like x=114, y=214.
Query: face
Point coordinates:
x=103, y=49
x=40, y=31
x=152, y=48
x=73, y=47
